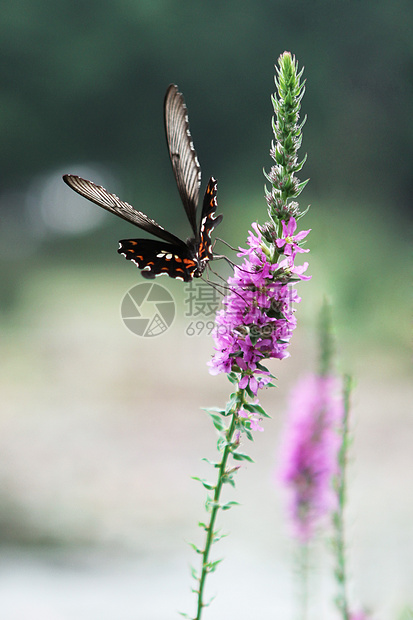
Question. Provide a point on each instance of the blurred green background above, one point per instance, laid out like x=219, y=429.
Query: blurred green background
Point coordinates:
x=97, y=422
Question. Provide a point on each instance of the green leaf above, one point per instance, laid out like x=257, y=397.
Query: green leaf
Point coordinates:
x=298, y=166
x=255, y=408
x=254, y=338
x=248, y=433
x=213, y=463
x=258, y=409
x=207, y=485
x=261, y=366
x=217, y=421
x=203, y=525
x=302, y=213
x=273, y=313
x=300, y=187
x=233, y=400
x=214, y=410
x=217, y=537
x=242, y=457
x=209, y=602
x=227, y=506
x=235, y=354
x=211, y=566
x=213, y=504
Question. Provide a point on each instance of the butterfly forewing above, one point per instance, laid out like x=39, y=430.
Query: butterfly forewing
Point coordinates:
x=100, y=196
x=184, y=160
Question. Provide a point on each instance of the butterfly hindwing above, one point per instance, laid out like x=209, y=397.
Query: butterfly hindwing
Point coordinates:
x=208, y=220
x=156, y=258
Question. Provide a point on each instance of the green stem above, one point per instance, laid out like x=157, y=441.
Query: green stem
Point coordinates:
x=215, y=502
x=341, y=568
x=303, y=575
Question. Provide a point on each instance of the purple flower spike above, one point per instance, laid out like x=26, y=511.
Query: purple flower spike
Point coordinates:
x=258, y=320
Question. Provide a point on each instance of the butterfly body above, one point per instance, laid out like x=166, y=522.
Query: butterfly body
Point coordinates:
x=182, y=260
x=178, y=259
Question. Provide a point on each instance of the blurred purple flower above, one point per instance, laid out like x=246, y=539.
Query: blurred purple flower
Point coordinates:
x=309, y=452
x=359, y=615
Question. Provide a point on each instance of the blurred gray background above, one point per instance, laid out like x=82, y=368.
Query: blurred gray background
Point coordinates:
x=101, y=430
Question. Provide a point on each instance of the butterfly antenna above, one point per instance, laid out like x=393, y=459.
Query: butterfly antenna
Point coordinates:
x=225, y=285
x=230, y=262
x=225, y=243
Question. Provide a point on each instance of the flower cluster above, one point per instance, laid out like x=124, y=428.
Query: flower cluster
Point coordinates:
x=257, y=320
x=309, y=452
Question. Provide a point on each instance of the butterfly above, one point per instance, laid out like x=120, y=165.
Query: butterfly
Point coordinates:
x=182, y=260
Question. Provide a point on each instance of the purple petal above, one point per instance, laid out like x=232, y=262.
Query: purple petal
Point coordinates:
x=292, y=225
x=303, y=233
x=243, y=383
x=253, y=385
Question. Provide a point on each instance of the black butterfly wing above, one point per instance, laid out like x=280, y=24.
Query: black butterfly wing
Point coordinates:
x=184, y=160
x=156, y=258
x=209, y=220
x=100, y=196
